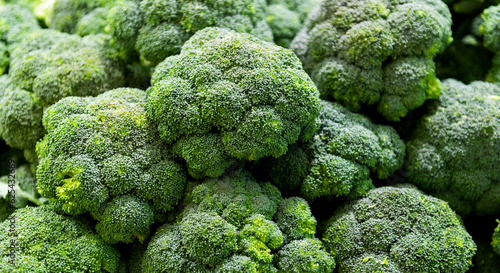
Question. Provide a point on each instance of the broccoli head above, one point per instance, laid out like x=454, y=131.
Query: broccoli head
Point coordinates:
x=47, y=66
x=398, y=230
x=454, y=151
x=158, y=28
x=230, y=96
x=338, y=159
x=103, y=155
x=72, y=16
x=367, y=52
x=286, y=18
x=235, y=224
x=48, y=242
x=490, y=29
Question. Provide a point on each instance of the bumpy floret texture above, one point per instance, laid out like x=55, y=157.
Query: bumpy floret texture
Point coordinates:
x=398, y=230
x=158, y=28
x=235, y=224
x=286, y=18
x=367, y=52
x=103, y=155
x=454, y=152
x=230, y=96
x=45, y=67
x=49, y=242
x=495, y=243
x=338, y=159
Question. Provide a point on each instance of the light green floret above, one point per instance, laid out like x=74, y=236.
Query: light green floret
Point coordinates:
x=228, y=97
x=454, y=151
x=286, y=18
x=356, y=51
x=495, y=243
x=338, y=159
x=49, y=242
x=158, y=29
x=489, y=28
x=103, y=155
x=235, y=224
x=398, y=230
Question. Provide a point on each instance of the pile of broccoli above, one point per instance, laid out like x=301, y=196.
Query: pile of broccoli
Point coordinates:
x=259, y=136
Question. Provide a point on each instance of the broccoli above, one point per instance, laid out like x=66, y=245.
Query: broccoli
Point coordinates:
x=338, y=159
x=454, y=151
x=45, y=241
x=18, y=186
x=47, y=66
x=375, y=52
x=286, y=18
x=73, y=16
x=398, y=230
x=230, y=96
x=158, y=28
x=495, y=243
x=235, y=224
x=489, y=28
x=103, y=155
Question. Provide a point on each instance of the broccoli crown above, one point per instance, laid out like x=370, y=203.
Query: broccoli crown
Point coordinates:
x=454, y=152
x=22, y=182
x=67, y=15
x=286, y=18
x=231, y=96
x=398, y=230
x=338, y=159
x=158, y=29
x=48, y=242
x=235, y=224
x=366, y=52
x=495, y=243
x=490, y=28
x=103, y=155
x=47, y=66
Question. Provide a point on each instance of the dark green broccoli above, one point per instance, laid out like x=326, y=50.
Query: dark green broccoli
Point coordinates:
x=454, y=151
x=495, y=243
x=48, y=242
x=230, y=96
x=235, y=224
x=338, y=159
x=375, y=52
x=47, y=66
x=18, y=186
x=490, y=29
x=398, y=230
x=158, y=28
x=104, y=156
x=286, y=18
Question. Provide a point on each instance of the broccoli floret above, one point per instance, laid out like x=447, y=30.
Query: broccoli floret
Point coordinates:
x=47, y=66
x=230, y=96
x=495, y=243
x=454, y=151
x=489, y=28
x=68, y=15
x=338, y=159
x=286, y=18
x=48, y=242
x=398, y=230
x=371, y=52
x=18, y=186
x=158, y=29
x=235, y=224
x=104, y=156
